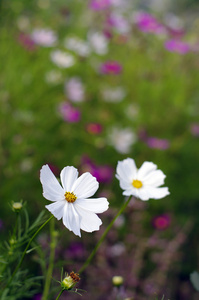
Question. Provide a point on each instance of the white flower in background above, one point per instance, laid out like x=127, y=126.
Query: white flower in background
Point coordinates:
x=70, y=201
x=122, y=139
x=53, y=76
x=98, y=42
x=77, y=45
x=44, y=37
x=194, y=278
x=116, y=94
x=143, y=183
x=23, y=23
x=74, y=89
x=62, y=59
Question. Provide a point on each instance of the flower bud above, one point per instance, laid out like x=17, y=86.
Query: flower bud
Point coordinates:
x=17, y=206
x=70, y=281
x=117, y=280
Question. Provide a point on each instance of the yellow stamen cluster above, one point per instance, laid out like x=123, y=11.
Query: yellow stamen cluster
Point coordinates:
x=137, y=184
x=70, y=197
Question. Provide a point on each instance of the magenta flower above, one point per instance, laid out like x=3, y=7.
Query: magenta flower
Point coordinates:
x=94, y=128
x=177, y=46
x=148, y=23
x=156, y=143
x=103, y=173
x=69, y=113
x=111, y=67
x=99, y=4
x=194, y=129
x=161, y=222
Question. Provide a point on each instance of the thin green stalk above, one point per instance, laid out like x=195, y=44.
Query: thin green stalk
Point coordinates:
x=87, y=262
x=24, y=253
x=51, y=261
x=59, y=294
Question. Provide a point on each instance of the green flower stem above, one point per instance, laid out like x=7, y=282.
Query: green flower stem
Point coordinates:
x=51, y=261
x=60, y=294
x=24, y=253
x=87, y=262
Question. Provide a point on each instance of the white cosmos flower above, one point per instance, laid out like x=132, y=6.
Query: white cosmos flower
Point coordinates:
x=70, y=201
x=142, y=183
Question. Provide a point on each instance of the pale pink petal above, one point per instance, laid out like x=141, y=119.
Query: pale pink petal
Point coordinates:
x=52, y=190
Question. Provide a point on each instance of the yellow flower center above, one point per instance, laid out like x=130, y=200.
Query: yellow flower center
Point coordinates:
x=70, y=197
x=137, y=183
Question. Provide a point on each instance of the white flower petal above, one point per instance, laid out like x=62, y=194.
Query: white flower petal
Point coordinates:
x=157, y=193
x=85, y=186
x=146, y=168
x=52, y=190
x=68, y=177
x=126, y=169
x=155, y=178
x=143, y=194
x=98, y=205
x=57, y=208
x=125, y=185
x=90, y=221
x=71, y=219
x=131, y=191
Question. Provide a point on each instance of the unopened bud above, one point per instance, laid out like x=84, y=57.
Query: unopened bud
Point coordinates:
x=17, y=206
x=70, y=281
x=117, y=280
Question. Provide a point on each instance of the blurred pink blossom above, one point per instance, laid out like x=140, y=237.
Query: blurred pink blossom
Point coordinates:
x=74, y=89
x=94, y=128
x=156, y=143
x=69, y=113
x=161, y=222
x=99, y=4
x=118, y=22
x=194, y=129
x=26, y=41
x=111, y=67
x=177, y=46
x=103, y=173
x=44, y=37
x=148, y=23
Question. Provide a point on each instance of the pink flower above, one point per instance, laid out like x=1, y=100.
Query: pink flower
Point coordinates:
x=177, y=46
x=74, y=89
x=26, y=41
x=94, y=128
x=103, y=173
x=118, y=22
x=69, y=113
x=99, y=4
x=148, y=23
x=161, y=144
x=111, y=67
x=161, y=222
x=194, y=129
